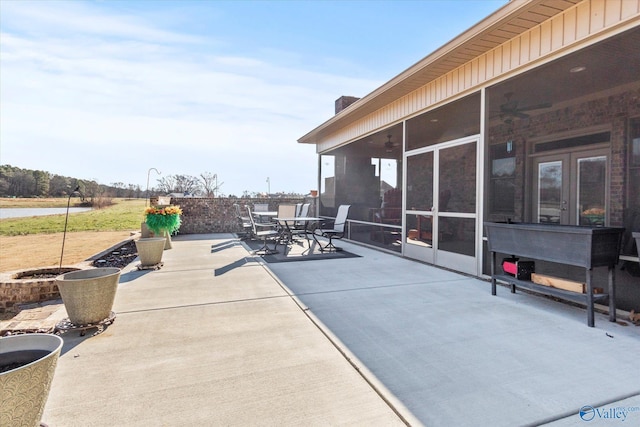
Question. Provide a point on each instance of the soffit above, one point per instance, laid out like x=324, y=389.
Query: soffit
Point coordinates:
x=513, y=19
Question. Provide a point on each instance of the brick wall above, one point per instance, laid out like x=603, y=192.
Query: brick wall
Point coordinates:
x=613, y=111
x=218, y=215
x=15, y=290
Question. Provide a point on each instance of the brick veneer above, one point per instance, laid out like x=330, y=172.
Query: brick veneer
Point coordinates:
x=613, y=111
x=14, y=290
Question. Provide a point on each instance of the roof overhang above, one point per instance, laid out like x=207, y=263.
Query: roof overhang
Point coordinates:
x=511, y=20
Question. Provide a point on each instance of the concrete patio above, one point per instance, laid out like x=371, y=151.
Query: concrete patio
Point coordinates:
x=217, y=337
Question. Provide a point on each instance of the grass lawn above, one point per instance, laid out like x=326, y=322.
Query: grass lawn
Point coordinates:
x=31, y=243
x=124, y=214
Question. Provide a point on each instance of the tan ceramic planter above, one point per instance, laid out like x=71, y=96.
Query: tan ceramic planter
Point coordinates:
x=167, y=244
x=25, y=389
x=150, y=250
x=88, y=295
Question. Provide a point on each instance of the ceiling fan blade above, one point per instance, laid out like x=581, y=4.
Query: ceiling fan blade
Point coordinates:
x=509, y=106
x=535, y=107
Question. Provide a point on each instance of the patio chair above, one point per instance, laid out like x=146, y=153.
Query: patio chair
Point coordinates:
x=337, y=232
x=301, y=227
x=286, y=211
x=298, y=208
x=244, y=221
x=304, y=210
x=262, y=207
x=264, y=232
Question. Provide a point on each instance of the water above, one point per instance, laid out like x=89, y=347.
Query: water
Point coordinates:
x=15, y=359
x=26, y=212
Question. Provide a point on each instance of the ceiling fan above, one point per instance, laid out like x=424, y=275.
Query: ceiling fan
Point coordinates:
x=509, y=110
x=389, y=145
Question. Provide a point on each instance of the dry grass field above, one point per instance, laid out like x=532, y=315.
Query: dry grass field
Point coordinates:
x=43, y=250
x=36, y=242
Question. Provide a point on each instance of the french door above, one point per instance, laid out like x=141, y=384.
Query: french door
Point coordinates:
x=571, y=188
x=441, y=205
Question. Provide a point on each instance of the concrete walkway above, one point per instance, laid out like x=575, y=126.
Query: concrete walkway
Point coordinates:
x=217, y=338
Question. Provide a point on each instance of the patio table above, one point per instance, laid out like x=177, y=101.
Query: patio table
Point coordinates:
x=265, y=217
x=285, y=225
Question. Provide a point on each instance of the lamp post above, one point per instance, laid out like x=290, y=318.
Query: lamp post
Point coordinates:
x=149, y=173
x=66, y=220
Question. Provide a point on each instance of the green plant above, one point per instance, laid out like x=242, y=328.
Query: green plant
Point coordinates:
x=163, y=219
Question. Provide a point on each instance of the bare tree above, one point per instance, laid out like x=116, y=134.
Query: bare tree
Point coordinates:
x=210, y=184
x=166, y=184
x=187, y=184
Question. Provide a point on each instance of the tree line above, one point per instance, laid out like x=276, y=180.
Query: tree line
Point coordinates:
x=18, y=182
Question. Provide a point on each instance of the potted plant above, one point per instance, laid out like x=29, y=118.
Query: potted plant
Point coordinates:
x=150, y=250
x=163, y=221
x=27, y=365
x=88, y=295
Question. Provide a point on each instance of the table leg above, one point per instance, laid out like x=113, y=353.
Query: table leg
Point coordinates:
x=590, y=317
x=493, y=273
x=612, y=294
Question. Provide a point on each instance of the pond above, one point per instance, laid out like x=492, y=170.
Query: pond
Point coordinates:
x=26, y=212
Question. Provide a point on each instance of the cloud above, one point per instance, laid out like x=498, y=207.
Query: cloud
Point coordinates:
x=78, y=80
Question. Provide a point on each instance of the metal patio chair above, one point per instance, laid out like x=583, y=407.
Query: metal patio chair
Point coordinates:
x=337, y=232
x=264, y=232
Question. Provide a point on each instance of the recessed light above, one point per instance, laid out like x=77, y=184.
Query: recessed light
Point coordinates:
x=434, y=120
x=577, y=69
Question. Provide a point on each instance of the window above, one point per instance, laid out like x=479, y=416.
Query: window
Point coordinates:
x=502, y=180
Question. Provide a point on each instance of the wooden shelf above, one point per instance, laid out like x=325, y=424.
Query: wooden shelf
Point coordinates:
x=548, y=290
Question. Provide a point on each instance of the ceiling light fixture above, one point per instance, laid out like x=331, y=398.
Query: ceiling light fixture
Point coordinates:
x=577, y=69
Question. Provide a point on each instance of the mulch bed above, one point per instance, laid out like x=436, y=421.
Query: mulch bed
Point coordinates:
x=120, y=257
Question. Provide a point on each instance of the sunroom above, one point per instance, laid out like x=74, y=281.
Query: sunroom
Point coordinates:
x=533, y=115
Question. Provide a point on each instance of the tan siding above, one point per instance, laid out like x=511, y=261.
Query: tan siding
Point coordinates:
x=467, y=75
x=490, y=64
x=514, y=59
x=482, y=68
x=612, y=12
x=583, y=20
x=545, y=38
x=557, y=32
x=570, y=23
x=505, y=64
x=597, y=15
x=629, y=8
x=525, y=48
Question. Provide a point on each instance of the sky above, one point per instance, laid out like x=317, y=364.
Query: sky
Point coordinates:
x=107, y=90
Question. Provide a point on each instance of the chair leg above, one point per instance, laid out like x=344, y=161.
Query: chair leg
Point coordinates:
x=264, y=250
x=330, y=247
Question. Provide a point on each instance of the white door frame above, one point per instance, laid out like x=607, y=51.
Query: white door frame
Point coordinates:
x=433, y=255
